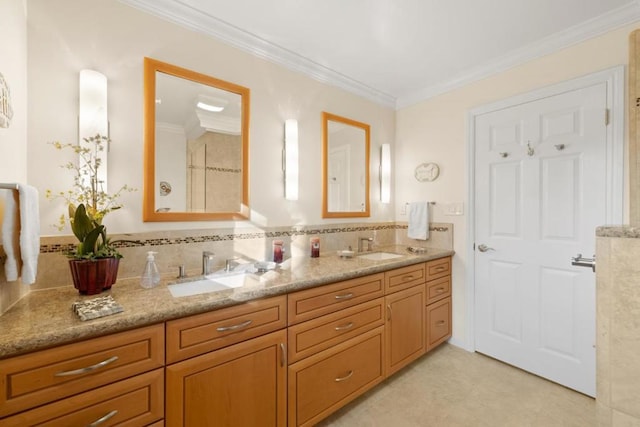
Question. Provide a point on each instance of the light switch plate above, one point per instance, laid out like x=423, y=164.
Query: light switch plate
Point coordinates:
x=454, y=209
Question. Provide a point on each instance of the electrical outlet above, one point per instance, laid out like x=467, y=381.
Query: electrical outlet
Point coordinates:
x=403, y=209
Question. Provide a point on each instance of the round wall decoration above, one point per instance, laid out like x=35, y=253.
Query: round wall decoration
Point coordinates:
x=426, y=172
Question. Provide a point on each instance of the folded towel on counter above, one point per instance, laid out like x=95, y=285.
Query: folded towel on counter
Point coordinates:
x=96, y=307
x=418, y=221
x=21, y=234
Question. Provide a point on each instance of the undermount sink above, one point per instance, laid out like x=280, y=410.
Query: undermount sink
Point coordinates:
x=212, y=283
x=379, y=256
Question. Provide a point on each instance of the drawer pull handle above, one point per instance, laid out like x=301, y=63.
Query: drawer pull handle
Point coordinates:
x=346, y=377
x=389, y=312
x=344, y=296
x=87, y=369
x=234, y=327
x=440, y=323
x=283, y=355
x=104, y=418
x=441, y=269
x=407, y=278
x=439, y=290
x=343, y=327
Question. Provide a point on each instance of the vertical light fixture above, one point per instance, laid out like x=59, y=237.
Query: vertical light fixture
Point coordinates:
x=93, y=118
x=385, y=173
x=291, y=159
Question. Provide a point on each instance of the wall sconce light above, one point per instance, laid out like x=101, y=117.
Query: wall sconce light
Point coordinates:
x=93, y=118
x=385, y=173
x=290, y=163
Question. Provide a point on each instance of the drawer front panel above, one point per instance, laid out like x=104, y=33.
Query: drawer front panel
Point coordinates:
x=438, y=268
x=199, y=334
x=316, y=302
x=438, y=289
x=308, y=338
x=132, y=402
x=404, y=278
x=41, y=377
x=322, y=383
x=438, y=323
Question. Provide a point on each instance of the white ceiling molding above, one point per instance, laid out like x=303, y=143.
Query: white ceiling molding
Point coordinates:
x=186, y=16
x=553, y=43
x=182, y=14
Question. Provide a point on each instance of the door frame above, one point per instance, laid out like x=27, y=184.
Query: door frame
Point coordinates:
x=614, y=79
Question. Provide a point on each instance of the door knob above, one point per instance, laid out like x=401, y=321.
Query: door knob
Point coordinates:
x=484, y=248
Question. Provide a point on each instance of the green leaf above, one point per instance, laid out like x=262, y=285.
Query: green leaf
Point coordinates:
x=81, y=224
x=92, y=238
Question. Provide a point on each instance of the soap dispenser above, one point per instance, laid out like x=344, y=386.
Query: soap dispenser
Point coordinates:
x=150, y=276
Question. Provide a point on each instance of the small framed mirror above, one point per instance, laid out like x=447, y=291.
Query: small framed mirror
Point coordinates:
x=345, y=158
x=196, y=160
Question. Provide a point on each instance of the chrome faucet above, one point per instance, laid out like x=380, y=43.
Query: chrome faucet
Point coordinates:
x=369, y=241
x=207, y=262
x=230, y=264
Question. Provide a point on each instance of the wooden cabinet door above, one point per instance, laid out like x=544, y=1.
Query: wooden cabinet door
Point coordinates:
x=240, y=385
x=405, y=327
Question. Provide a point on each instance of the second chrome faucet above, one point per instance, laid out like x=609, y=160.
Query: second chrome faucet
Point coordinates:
x=207, y=262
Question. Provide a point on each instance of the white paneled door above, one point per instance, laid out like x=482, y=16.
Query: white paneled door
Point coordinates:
x=540, y=192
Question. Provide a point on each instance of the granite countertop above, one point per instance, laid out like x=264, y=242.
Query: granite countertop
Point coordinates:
x=44, y=318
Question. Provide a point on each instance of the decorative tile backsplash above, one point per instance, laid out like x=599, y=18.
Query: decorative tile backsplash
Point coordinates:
x=185, y=247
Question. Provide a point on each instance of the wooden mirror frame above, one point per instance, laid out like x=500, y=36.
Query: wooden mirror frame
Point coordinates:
x=326, y=117
x=149, y=214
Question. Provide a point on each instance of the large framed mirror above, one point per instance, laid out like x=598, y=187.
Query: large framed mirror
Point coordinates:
x=196, y=159
x=345, y=159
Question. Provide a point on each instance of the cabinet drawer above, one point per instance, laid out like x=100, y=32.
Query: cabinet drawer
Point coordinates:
x=404, y=278
x=132, y=402
x=438, y=268
x=322, y=383
x=316, y=302
x=438, y=323
x=315, y=335
x=438, y=289
x=201, y=333
x=41, y=377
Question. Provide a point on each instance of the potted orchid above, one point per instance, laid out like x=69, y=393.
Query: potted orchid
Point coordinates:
x=94, y=261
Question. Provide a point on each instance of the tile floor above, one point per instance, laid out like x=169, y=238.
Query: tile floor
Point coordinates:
x=452, y=387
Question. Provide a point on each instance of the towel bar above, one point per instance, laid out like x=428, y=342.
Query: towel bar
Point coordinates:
x=4, y=186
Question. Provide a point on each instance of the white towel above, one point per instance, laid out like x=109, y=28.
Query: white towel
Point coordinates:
x=11, y=236
x=21, y=234
x=418, y=221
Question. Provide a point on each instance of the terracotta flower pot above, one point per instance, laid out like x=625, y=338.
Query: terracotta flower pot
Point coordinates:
x=93, y=276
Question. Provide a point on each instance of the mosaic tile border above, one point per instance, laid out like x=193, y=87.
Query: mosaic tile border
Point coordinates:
x=124, y=243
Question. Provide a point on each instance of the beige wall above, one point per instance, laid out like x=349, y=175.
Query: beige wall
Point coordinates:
x=436, y=130
x=68, y=35
x=13, y=140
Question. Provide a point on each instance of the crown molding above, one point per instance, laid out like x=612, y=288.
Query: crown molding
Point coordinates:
x=186, y=16
x=594, y=27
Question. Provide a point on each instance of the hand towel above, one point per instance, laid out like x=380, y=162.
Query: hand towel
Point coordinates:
x=21, y=234
x=418, y=221
x=29, y=232
x=11, y=236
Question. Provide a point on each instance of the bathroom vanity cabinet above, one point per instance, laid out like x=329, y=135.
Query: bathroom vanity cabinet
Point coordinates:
x=230, y=366
x=116, y=378
x=285, y=360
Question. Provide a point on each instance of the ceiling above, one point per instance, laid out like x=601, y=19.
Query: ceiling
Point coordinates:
x=398, y=52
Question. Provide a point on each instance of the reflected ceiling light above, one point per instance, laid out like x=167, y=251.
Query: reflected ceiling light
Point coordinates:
x=93, y=119
x=385, y=173
x=208, y=103
x=290, y=166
